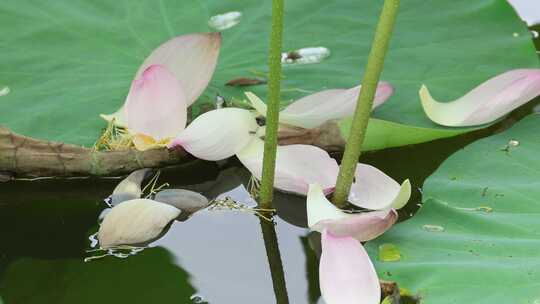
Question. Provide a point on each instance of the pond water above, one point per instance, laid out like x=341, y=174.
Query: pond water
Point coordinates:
x=213, y=257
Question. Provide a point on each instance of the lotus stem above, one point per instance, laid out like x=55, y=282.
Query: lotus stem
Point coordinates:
x=372, y=74
x=272, y=115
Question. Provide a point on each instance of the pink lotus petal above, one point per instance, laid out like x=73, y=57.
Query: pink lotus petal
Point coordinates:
x=363, y=227
x=315, y=109
x=346, y=274
x=487, y=102
x=322, y=214
x=375, y=190
x=297, y=166
x=191, y=58
x=156, y=105
x=218, y=134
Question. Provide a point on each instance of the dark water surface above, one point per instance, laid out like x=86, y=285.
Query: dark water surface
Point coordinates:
x=214, y=257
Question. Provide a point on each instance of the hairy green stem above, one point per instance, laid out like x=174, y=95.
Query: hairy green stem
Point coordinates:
x=272, y=114
x=274, y=261
x=365, y=101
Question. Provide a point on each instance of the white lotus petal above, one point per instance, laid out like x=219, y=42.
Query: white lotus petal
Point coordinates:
x=346, y=274
x=134, y=222
x=218, y=134
x=375, y=190
x=319, y=208
x=130, y=187
x=487, y=102
x=156, y=104
x=191, y=58
x=118, y=116
x=297, y=166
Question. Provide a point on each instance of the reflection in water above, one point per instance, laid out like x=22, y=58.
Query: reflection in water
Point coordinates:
x=274, y=261
x=151, y=275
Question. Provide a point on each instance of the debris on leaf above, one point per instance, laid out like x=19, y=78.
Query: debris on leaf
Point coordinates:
x=389, y=253
x=305, y=55
x=224, y=21
x=4, y=91
x=433, y=228
x=245, y=81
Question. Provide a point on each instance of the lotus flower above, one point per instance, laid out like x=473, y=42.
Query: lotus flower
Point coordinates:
x=169, y=80
x=487, y=102
x=346, y=273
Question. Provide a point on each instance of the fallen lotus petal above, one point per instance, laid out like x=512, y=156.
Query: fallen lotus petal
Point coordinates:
x=346, y=274
x=135, y=222
x=130, y=187
x=372, y=189
x=322, y=214
x=156, y=104
x=118, y=116
x=487, y=102
x=191, y=58
x=185, y=200
x=315, y=109
x=297, y=166
x=218, y=134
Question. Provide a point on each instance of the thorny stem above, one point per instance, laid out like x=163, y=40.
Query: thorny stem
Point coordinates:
x=272, y=114
x=274, y=261
x=365, y=101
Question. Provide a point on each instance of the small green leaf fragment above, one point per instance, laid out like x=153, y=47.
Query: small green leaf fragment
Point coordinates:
x=389, y=253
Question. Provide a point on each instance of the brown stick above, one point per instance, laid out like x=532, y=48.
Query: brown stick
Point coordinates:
x=22, y=156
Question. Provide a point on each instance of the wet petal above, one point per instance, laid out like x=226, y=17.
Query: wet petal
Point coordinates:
x=487, y=102
x=322, y=214
x=185, y=200
x=363, y=226
x=130, y=187
x=191, y=58
x=346, y=274
x=156, y=104
x=218, y=134
x=315, y=109
x=319, y=208
x=118, y=116
x=134, y=222
x=297, y=166
x=375, y=190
